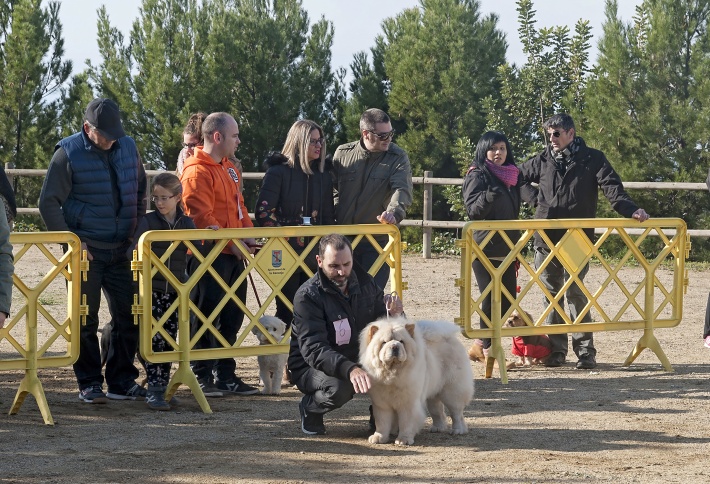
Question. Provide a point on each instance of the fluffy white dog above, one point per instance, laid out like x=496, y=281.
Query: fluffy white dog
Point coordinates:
x=413, y=366
x=271, y=367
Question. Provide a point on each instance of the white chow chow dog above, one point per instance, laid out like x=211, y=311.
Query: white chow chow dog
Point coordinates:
x=271, y=367
x=413, y=366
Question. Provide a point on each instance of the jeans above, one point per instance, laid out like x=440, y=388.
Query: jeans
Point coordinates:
x=109, y=271
x=365, y=255
x=553, y=277
x=483, y=278
x=206, y=296
x=323, y=393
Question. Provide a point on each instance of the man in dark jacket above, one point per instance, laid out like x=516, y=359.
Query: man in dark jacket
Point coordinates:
x=330, y=310
x=96, y=187
x=569, y=174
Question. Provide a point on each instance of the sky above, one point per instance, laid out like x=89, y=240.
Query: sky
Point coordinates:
x=356, y=22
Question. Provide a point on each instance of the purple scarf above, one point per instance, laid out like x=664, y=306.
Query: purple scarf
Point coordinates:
x=508, y=174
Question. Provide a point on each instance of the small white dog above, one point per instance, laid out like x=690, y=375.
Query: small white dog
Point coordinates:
x=271, y=367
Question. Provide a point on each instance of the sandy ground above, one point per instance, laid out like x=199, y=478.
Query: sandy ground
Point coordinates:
x=612, y=424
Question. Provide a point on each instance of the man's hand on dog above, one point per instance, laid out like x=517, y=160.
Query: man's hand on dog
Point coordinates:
x=360, y=380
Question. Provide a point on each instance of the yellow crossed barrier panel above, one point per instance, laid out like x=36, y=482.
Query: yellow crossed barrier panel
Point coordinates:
x=270, y=267
x=47, y=331
x=641, y=289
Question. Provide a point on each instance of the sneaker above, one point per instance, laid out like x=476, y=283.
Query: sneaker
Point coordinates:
x=93, y=394
x=131, y=394
x=237, y=387
x=209, y=389
x=555, y=360
x=586, y=362
x=311, y=423
x=156, y=401
x=707, y=341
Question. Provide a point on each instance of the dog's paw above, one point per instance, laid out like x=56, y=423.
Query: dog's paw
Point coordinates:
x=438, y=428
x=378, y=438
x=459, y=430
x=404, y=440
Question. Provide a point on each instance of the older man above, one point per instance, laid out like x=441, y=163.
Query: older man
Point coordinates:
x=96, y=187
x=373, y=183
x=213, y=199
x=569, y=175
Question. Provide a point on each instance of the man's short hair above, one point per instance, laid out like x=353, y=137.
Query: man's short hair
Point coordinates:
x=371, y=117
x=215, y=123
x=336, y=241
x=560, y=120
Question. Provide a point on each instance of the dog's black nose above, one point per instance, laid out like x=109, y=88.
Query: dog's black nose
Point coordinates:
x=395, y=351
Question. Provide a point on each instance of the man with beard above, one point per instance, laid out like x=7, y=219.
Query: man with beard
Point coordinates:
x=330, y=310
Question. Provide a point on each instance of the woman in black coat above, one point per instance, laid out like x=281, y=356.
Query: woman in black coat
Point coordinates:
x=491, y=192
x=297, y=190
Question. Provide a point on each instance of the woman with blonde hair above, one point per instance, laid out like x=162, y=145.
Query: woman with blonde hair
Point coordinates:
x=297, y=190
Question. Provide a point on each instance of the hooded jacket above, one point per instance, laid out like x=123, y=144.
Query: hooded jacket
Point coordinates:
x=211, y=193
x=317, y=305
x=573, y=193
x=288, y=194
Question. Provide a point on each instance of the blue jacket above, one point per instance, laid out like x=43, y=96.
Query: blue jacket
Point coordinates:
x=93, y=210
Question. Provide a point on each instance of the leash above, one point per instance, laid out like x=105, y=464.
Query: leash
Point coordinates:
x=256, y=247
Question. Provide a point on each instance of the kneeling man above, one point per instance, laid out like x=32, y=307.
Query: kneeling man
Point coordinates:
x=329, y=312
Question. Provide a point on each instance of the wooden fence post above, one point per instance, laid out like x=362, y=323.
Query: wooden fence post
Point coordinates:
x=428, y=198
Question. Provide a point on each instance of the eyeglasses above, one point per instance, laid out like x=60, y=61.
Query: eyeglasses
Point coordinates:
x=189, y=145
x=556, y=134
x=383, y=136
x=161, y=199
x=318, y=142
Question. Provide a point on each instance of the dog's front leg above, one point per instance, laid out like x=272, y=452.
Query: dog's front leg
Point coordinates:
x=383, y=424
x=438, y=417
x=411, y=421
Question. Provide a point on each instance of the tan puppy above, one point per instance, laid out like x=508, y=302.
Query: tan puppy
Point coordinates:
x=530, y=350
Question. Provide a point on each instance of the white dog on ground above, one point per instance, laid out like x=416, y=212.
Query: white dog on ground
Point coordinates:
x=271, y=367
x=413, y=366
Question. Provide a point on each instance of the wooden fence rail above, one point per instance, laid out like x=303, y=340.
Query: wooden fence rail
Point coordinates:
x=427, y=181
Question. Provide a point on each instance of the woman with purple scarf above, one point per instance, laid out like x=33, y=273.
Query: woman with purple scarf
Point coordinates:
x=491, y=192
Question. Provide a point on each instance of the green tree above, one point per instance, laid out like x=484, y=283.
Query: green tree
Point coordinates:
x=31, y=74
x=260, y=60
x=647, y=103
x=552, y=79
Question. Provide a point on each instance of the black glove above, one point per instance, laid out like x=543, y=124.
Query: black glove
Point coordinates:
x=493, y=192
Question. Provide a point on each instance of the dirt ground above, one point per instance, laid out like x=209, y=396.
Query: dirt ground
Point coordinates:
x=612, y=424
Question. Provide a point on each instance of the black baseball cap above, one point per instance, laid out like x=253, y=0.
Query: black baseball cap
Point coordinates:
x=104, y=115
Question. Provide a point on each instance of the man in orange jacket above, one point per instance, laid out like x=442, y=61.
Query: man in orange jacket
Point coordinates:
x=213, y=199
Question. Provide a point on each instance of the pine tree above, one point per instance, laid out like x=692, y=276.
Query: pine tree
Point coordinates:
x=31, y=74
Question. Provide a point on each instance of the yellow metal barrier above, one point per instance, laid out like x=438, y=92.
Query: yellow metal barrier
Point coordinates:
x=634, y=293
x=44, y=344
x=271, y=267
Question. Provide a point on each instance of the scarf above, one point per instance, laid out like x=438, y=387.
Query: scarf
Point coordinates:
x=508, y=174
x=564, y=156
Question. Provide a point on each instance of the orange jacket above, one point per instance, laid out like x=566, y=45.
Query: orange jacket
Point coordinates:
x=211, y=193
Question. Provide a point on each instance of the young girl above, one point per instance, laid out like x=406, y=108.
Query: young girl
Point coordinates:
x=167, y=193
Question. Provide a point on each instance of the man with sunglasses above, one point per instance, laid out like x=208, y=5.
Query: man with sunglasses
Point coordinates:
x=569, y=175
x=96, y=187
x=372, y=180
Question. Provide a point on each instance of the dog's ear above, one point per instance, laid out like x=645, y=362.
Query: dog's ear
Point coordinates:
x=410, y=329
x=371, y=332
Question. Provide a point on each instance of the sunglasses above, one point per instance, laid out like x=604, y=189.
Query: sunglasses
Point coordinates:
x=556, y=133
x=383, y=136
x=319, y=142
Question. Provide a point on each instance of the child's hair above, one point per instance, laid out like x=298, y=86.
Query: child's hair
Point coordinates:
x=170, y=182
x=194, y=126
